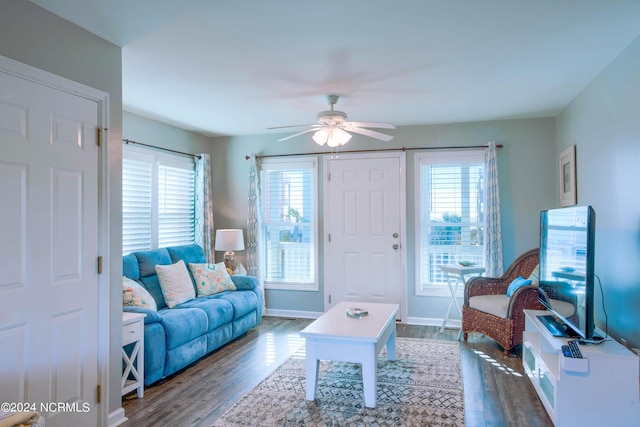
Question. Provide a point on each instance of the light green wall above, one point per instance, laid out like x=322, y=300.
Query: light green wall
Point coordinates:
x=604, y=124
x=526, y=168
x=152, y=132
x=33, y=36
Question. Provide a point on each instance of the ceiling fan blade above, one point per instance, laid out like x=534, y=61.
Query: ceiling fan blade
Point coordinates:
x=297, y=134
x=373, y=125
x=290, y=126
x=371, y=133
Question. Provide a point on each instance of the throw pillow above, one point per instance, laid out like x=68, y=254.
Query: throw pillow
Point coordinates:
x=134, y=295
x=175, y=283
x=211, y=278
x=518, y=282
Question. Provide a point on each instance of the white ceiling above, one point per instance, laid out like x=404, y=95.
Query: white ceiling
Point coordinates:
x=237, y=67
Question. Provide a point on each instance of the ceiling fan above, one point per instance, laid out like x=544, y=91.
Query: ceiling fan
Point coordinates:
x=333, y=128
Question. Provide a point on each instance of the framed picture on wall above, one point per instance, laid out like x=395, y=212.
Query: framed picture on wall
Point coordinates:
x=568, y=195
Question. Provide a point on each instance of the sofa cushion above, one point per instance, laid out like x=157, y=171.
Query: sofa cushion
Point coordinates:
x=130, y=267
x=183, y=325
x=187, y=253
x=242, y=302
x=175, y=283
x=218, y=311
x=134, y=295
x=211, y=278
x=147, y=261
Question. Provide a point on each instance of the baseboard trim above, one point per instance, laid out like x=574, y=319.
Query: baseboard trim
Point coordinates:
x=293, y=313
x=431, y=321
x=116, y=418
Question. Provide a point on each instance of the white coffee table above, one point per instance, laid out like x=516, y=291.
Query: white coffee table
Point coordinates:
x=335, y=336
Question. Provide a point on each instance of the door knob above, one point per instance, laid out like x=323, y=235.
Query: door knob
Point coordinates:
x=395, y=246
x=395, y=235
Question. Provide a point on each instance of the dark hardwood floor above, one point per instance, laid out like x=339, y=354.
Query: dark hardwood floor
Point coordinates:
x=496, y=390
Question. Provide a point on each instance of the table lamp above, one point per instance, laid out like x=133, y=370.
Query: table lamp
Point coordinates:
x=229, y=240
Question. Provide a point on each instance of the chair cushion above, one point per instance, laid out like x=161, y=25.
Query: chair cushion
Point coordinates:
x=497, y=305
x=564, y=308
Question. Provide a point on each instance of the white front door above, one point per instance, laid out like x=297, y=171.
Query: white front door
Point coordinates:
x=48, y=251
x=364, y=251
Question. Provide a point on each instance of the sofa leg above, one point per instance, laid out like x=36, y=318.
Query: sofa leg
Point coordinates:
x=465, y=335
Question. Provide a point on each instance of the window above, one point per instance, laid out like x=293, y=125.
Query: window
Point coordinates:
x=289, y=223
x=449, y=215
x=158, y=200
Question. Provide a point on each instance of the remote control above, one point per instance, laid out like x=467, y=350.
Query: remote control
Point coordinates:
x=574, y=349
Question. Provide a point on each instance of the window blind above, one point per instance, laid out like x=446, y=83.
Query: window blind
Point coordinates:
x=289, y=223
x=451, y=212
x=136, y=205
x=158, y=200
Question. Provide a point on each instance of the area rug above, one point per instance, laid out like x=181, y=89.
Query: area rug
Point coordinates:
x=422, y=387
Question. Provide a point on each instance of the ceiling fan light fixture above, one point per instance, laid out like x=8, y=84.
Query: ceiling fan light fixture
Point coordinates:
x=333, y=137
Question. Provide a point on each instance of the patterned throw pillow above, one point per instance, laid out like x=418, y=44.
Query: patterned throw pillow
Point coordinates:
x=175, y=283
x=134, y=295
x=211, y=278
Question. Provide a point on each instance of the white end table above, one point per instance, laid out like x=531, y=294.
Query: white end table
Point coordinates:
x=455, y=275
x=335, y=336
x=133, y=332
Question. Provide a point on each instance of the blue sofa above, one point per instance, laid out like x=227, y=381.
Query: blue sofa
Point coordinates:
x=175, y=338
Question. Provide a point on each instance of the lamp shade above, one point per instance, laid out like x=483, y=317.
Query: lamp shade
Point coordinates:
x=229, y=240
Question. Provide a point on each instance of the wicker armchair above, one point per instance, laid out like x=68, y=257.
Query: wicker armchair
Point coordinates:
x=506, y=329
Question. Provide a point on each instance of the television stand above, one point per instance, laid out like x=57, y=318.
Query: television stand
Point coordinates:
x=605, y=380
x=556, y=327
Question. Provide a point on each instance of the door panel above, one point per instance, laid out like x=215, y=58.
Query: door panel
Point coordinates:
x=363, y=222
x=49, y=228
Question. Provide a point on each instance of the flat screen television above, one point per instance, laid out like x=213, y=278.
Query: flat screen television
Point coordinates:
x=567, y=259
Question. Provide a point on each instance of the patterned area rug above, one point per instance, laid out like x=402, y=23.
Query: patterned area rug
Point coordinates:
x=422, y=387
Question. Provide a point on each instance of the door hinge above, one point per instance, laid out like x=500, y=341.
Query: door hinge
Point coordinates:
x=100, y=136
x=98, y=394
x=329, y=237
x=99, y=265
x=329, y=298
x=329, y=176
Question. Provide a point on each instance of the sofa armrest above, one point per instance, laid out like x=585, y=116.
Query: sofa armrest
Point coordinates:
x=245, y=283
x=152, y=316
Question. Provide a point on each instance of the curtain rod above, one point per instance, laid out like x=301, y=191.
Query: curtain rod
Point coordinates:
x=468, y=147
x=129, y=141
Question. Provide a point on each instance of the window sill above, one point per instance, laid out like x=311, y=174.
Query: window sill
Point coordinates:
x=283, y=286
x=439, y=291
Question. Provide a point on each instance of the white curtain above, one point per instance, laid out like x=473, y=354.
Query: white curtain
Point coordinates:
x=204, y=207
x=254, y=222
x=493, y=230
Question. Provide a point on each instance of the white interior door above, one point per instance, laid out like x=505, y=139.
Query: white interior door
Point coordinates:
x=364, y=251
x=49, y=233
